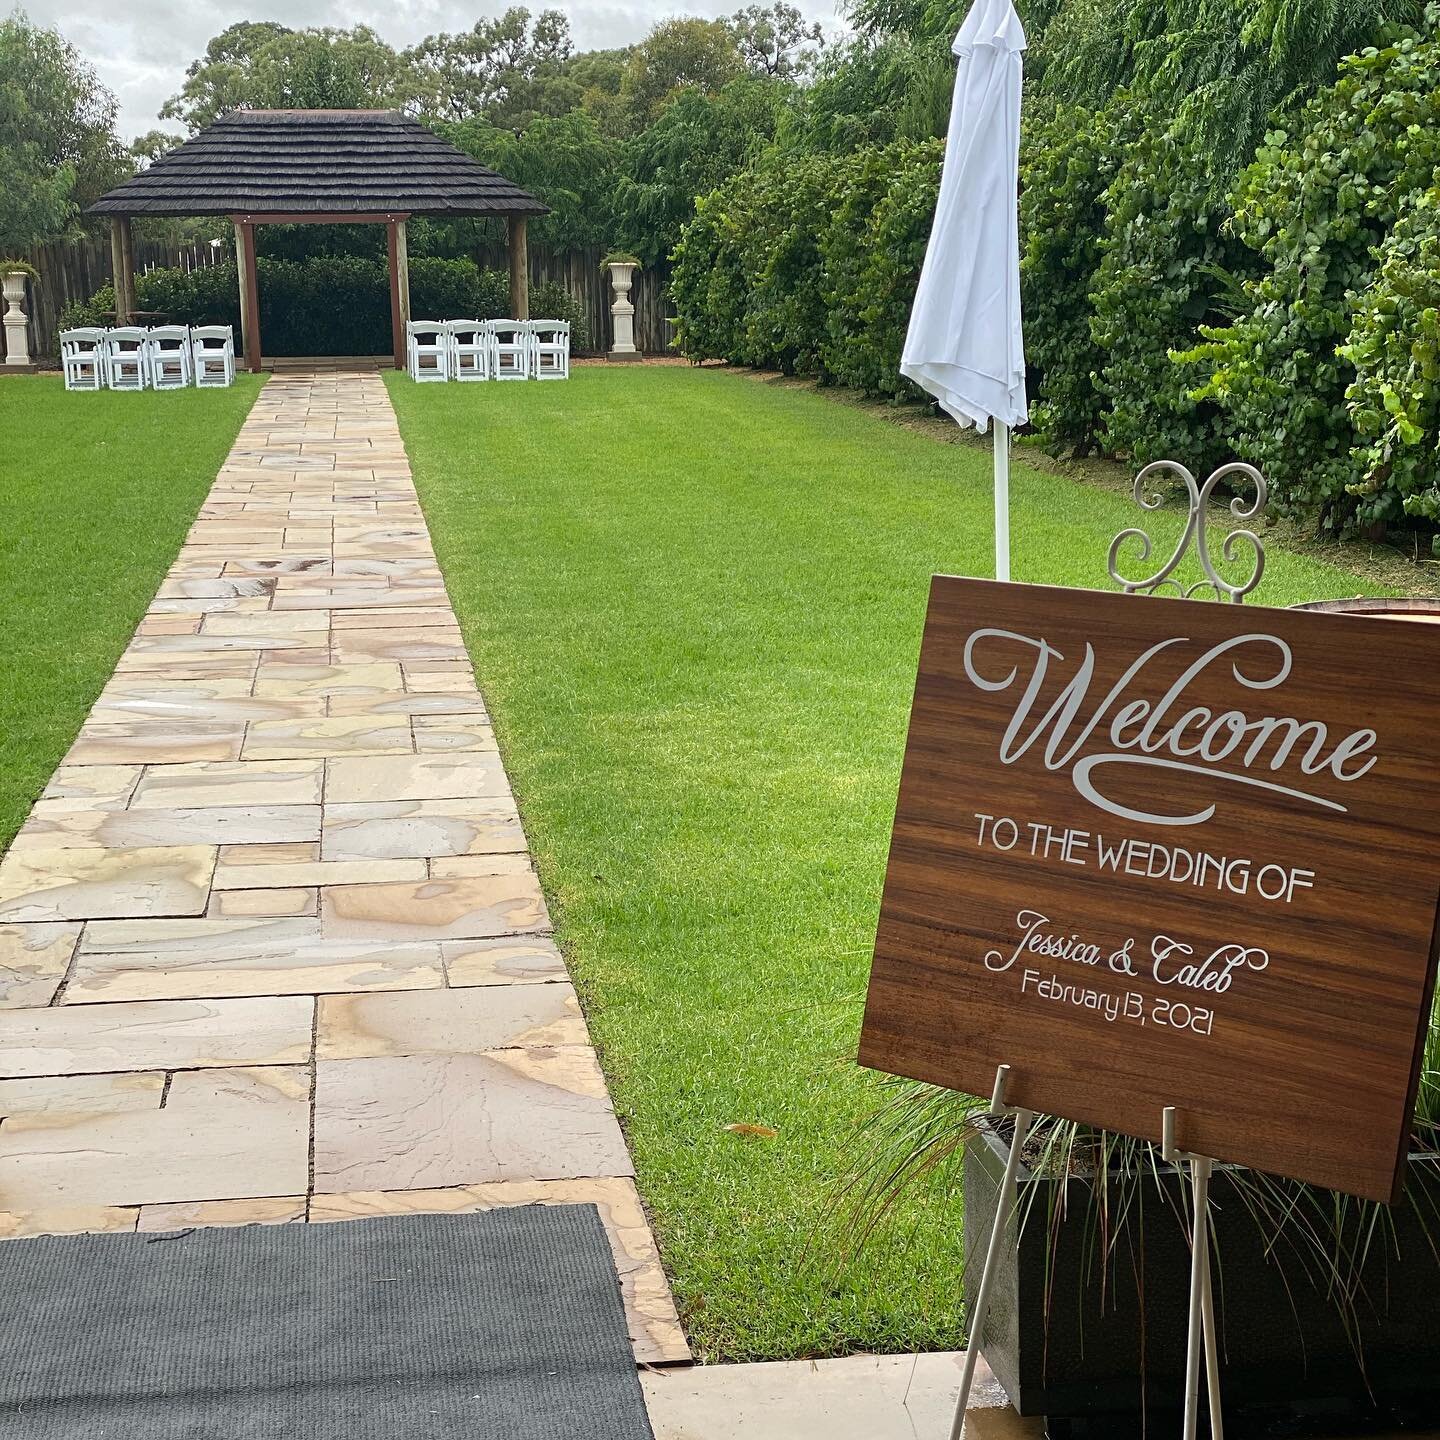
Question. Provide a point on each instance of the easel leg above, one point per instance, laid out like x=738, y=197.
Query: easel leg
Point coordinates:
x=975, y=1321
x=1207, y=1317
x=1199, y=1255
x=1202, y=1294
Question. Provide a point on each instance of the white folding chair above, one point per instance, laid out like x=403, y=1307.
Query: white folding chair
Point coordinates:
x=168, y=353
x=427, y=348
x=550, y=349
x=82, y=358
x=212, y=355
x=469, y=350
x=127, y=357
x=510, y=349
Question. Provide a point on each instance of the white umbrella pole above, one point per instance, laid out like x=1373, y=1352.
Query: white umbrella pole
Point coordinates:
x=1002, y=501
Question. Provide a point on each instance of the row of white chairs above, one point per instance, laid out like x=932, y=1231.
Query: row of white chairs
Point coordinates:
x=158, y=357
x=488, y=349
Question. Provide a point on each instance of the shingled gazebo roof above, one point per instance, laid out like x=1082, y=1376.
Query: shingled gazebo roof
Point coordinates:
x=317, y=163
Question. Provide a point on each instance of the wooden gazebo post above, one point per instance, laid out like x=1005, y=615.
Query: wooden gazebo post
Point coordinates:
x=249, y=282
x=519, y=270
x=399, y=286
x=122, y=263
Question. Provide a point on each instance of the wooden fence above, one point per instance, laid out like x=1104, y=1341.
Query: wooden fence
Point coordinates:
x=73, y=270
x=76, y=269
x=579, y=272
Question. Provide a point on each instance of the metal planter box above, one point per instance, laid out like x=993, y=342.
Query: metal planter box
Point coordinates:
x=1284, y=1345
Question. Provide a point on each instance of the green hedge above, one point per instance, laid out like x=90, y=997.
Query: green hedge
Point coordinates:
x=333, y=304
x=1291, y=319
x=808, y=264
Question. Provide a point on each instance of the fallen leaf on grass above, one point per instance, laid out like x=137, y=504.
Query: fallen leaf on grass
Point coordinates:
x=763, y=1131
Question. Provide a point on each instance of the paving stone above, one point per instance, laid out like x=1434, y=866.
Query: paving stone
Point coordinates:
x=650, y=1314
x=290, y=852
x=126, y=701
x=403, y=828
x=300, y=900
x=442, y=1022
x=508, y=960
x=238, y=782
x=82, y=1094
x=381, y=618
x=435, y=909
x=171, y=1034
x=269, y=623
x=341, y=735
x=317, y=872
x=258, y=961
x=153, y=741
x=414, y=777
x=33, y=961
x=456, y=702
x=369, y=645
x=129, y=829
x=223, y=1134
x=192, y=589
x=92, y=787
x=369, y=680
x=277, y=1210
x=429, y=1121
x=67, y=1220
x=463, y=867
x=446, y=732
x=74, y=884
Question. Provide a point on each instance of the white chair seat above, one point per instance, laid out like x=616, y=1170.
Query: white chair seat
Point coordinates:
x=169, y=357
x=427, y=349
x=469, y=350
x=212, y=355
x=82, y=358
x=510, y=349
x=550, y=349
x=127, y=357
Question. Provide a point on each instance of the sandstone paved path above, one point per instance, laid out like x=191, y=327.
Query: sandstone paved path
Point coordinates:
x=271, y=944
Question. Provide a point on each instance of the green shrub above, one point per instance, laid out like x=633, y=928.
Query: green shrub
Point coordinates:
x=708, y=284
x=1394, y=400
x=1165, y=268
x=1316, y=206
x=810, y=268
x=1069, y=158
x=873, y=249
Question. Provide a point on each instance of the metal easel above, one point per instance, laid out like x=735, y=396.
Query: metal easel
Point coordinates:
x=1201, y=1333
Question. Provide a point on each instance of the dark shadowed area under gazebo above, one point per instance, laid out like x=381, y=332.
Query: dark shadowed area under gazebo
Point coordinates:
x=313, y=167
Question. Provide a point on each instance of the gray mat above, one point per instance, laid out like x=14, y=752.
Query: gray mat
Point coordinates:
x=504, y=1325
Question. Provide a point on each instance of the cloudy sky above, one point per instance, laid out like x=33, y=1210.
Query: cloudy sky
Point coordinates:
x=141, y=47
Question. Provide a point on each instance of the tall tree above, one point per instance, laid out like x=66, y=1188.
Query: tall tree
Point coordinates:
x=58, y=148
x=507, y=70
x=698, y=141
x=268, y=66
x=774, y=40
x=676, y=54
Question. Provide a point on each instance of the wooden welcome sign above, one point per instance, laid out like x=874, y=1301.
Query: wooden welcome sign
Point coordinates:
x=1153, y=852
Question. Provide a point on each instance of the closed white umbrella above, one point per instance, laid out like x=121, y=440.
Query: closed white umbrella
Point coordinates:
x=964, y=345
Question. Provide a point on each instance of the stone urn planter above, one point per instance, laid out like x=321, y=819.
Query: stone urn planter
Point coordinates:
x=17, y=322
x=622, y=311
x=1073, y=1344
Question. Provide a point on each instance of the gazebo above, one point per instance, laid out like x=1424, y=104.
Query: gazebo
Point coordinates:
x=316, y=167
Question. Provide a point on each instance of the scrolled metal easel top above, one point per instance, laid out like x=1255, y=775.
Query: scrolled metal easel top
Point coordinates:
x=1195, y=534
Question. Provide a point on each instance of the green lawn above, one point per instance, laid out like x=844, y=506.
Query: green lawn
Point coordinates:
x=96, y=494
x=694, y=602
